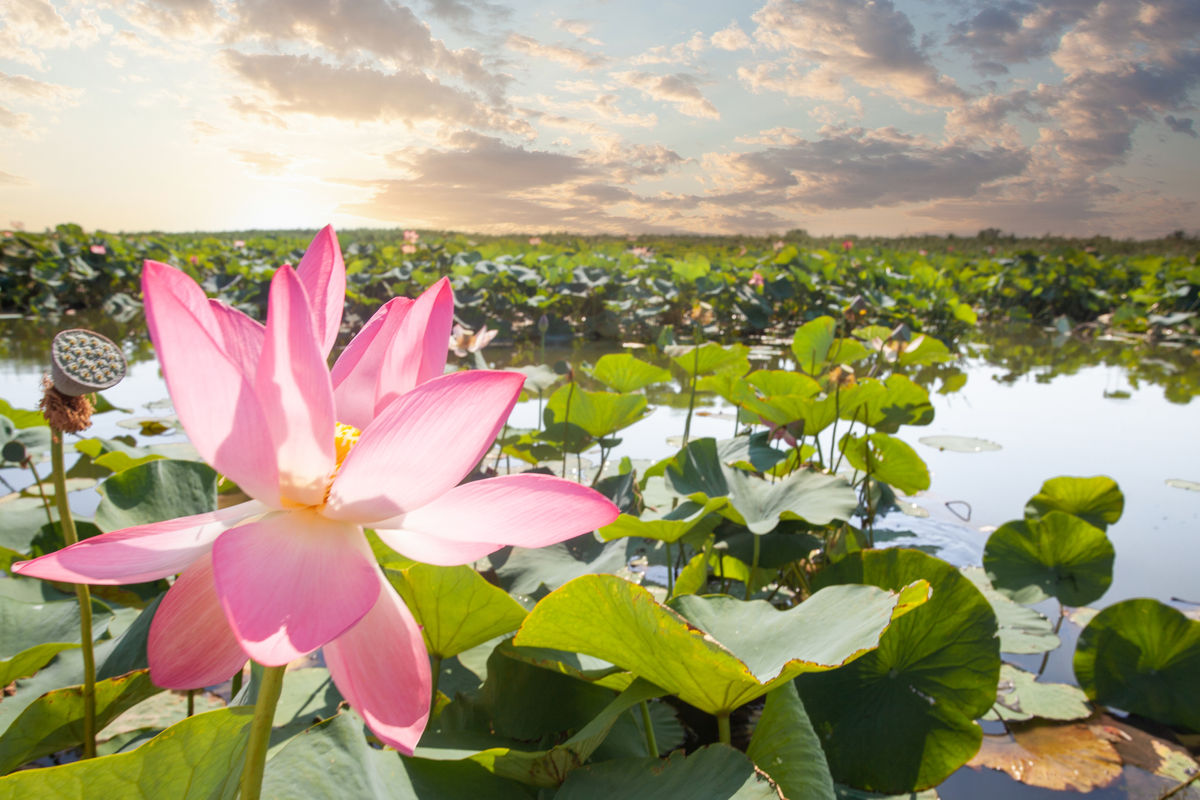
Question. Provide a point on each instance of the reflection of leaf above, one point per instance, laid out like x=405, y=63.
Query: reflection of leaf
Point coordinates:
x=1056, y=757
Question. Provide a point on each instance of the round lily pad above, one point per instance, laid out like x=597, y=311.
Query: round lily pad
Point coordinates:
x=960, y=444
x=902, y=717
x=1058, y=555
x=1180, y=483
x=1143, y=656
x=1097, y=500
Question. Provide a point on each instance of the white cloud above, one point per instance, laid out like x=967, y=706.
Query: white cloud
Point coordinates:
x=569, y=56
x=730, y=38
x=680, y=89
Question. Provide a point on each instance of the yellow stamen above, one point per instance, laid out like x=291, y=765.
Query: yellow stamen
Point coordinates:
x=344, y=438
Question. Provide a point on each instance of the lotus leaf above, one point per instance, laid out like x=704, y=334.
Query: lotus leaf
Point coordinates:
x=1097, y=501
x=1058, y=555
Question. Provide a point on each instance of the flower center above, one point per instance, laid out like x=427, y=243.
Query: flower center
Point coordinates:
x=344, y=438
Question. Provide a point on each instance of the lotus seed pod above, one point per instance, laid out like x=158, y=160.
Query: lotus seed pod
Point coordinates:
x=83, y=361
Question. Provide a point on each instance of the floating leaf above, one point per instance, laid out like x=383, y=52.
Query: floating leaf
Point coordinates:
x=1143, y=656
x=960, y=444
x=786, y=747
x=1058, y=555
x=1098, y=501
x=887, y=459
x=901, y=718
x=1180, y=483
x=723, y=652
x=1056, y=757
x=197, y=759
x=622, y=372
x=156, y=491
x=456, y=608
x=1022, y=697
x=721, y=772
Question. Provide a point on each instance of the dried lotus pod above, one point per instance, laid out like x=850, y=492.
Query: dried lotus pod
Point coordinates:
x=83, y=361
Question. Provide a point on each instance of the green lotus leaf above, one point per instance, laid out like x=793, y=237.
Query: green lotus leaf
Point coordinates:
x=333, y=760
x=770, y=382
x=752, y=453
x=38, y=626
x=456, y=608
x=847, y=351
x=711, y=358
x=786, y=747
x=696, y=469
x=621, y=372
x=156, y=491
x=1022, y=697
x=924, y=349
x=54, y=721
x=902, y=717
x=722, y=652
x=199, y=758
x=811, y=344
x=887, y=459
x=1097, y=501
x=804, y=495
x=598, y=413
x=21, y=417
x=1058, y=555
x=686, y=518
x=1023, y=631
x=716, y=772
x=528, y=572
x=901, y=403
x=1143, y=656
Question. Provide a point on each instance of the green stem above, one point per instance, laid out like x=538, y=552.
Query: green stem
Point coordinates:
x=235, y=685
x=82, y=594
x=38, y=481
x=723, y=729
x=754, y=566
x=260, y=732
x=191, y=709
x=435, y=672
x=648, y=726
x=687, y=425
x=566, y=424
x=670, y=571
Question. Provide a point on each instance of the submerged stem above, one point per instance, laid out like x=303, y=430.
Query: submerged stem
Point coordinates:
x=648, y=726
x=82, y=594
x=260, y=732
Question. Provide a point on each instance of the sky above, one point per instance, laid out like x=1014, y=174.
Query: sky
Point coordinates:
x=873, y=117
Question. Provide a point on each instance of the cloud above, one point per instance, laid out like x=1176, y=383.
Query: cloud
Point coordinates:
x=577, y=28
x=730, y=38
x=1016, y=31
x=680, y=89
x=461, y=13
x=1183, y=126
x=29, y=27
x=568, y=56
x=263, y=163
x=173, y=19
x=27, y=88
x=308, y=85
x=858, y=168
x=15, y=120
x=349, y=27
x=8, y=179
x=681, y=53
x=254, y=111
x=823, y=42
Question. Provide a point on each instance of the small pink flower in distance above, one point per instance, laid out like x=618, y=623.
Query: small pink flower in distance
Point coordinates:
x=535, y=240
x=846, y=245
x=8, y=234
x=756, y=279
x=408, y=249
x=779, y=245
x=411, y=237
x=464, y=341
x=950, y=249
x=193, y=260
x=239, y=243
x=98, y=250
x=922, y=252
x=383, y=440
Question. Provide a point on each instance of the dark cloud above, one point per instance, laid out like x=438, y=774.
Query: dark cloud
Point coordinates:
x=1178, y=125
x=1016, y=32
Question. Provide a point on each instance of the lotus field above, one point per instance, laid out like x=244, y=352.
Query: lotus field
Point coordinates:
x=361, y=575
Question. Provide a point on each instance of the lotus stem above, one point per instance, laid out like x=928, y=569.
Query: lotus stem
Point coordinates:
x=648, y=726
x=191, y=703
x=670, y=571
x=723, y=729
x=37, y=480
x=260, y=732
x=82, y=594
x=753, y=565
x=567, y=422
x=435, y=672
x=687, y=425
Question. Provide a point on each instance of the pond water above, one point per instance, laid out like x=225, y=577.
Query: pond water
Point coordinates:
x=1054, y=406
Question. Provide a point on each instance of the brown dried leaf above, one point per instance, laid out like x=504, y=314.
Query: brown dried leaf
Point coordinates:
x=1052, y=756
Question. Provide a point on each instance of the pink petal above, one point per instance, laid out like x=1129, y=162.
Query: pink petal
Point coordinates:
x=380, y=666
x=525, y=510
x=241, y=337
x=190, y=644
x=420, y=546
x=422, y=444
x=215, y=402
x=293, y=581
x=323, y=274
x=418, y=352
x=356, y=373
x=293, y=387
x=138, y=554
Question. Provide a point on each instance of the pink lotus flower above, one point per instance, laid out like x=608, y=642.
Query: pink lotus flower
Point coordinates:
x=239, y=243
x=411, y=237
x=464, y=341
x=779, y=245
x=98, y=250
x=382, y=440
x=408, y=249
x=846, y=245
x=535, y=240
x=756, y=279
